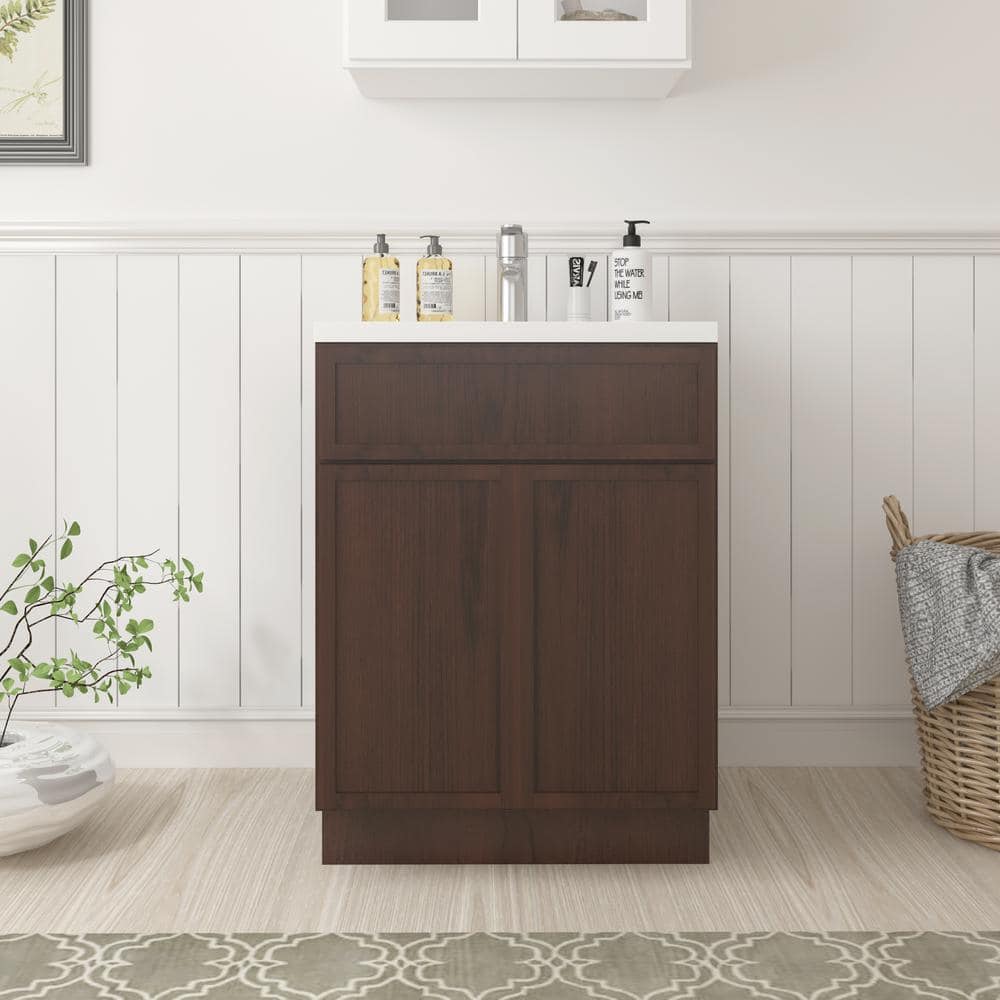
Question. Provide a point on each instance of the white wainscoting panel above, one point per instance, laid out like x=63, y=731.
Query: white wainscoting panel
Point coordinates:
x=330, y=291
x=209, y=476
x=661, y=288
x=761, y=481
x=944, y=394
x=883, y=464
x=86, y=456
x=987, y=394
x=408, y=286
x=699, y=290
x=538, y=290
x=174, y=385
x=470, y=287
x=148, y=468
x=822, y=511
x=270, y=489
x=27, y=419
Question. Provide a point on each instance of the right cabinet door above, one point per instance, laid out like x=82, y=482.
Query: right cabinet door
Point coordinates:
x=659, y=31
x=618, y=643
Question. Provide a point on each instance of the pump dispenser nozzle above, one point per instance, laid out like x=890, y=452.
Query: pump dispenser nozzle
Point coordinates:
x=381, y=244
x=634, y=239
x=434, y=248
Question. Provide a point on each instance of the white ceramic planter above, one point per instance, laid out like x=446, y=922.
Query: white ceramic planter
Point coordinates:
x=51, y=779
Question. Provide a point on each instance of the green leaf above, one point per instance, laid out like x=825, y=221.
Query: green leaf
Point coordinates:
x=43, y=670
x=188, y=564
x=22, y=560
x=67, y=690
x=33, y=545
x=67, y=548
x=74, y=529
x=146, y=625
x=98, y=628
x=10, y=607
x=32, y=595
x=48, y=584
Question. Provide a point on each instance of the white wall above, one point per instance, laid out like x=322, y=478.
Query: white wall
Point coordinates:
x=847, y=114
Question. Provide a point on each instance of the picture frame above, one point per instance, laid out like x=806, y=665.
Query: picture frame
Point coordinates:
x=61, y=140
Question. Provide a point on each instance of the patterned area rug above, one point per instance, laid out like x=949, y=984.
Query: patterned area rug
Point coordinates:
x=501, y=966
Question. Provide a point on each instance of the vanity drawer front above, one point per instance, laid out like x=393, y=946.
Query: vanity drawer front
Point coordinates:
x=516, y=403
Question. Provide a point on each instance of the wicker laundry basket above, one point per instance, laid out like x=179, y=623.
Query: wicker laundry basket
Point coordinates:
x=960, y=741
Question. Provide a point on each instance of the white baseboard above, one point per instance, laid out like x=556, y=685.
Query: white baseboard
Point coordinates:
x=817, y=737
x=180, y=739
x=748, y=737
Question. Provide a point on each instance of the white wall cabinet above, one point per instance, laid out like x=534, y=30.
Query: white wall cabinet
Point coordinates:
x=519, y=49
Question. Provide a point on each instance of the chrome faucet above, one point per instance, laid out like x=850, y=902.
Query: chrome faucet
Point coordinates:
x=512, y=275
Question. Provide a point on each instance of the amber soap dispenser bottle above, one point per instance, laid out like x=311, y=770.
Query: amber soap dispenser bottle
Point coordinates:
x=435, y=285
x=380, y=285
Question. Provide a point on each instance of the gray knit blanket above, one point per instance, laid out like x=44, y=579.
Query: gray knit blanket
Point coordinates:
x=949, y=604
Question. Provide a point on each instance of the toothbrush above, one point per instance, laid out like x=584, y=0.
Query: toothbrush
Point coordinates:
x=592, y=270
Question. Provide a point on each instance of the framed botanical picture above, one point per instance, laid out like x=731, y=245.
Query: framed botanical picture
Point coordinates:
x=43, y=81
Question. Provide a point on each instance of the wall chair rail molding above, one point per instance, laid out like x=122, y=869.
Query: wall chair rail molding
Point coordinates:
x=240, y=237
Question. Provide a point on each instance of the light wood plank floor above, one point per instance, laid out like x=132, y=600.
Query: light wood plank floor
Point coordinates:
x=806, y=849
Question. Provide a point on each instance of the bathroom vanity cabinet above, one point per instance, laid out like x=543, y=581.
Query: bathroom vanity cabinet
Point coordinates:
x=515, y=48
x=516, y=599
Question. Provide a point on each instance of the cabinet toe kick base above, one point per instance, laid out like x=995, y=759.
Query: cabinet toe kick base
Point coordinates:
x=529, y=836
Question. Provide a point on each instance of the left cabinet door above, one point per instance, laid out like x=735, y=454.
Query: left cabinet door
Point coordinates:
x=415, y=30
x=410, y=581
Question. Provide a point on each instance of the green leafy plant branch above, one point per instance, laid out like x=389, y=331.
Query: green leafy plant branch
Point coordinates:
x=33, y=598
x=17, y=18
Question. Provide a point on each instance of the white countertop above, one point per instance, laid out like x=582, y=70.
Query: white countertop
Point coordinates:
x=516, y=333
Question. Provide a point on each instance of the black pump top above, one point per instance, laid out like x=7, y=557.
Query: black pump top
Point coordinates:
x=634, y=239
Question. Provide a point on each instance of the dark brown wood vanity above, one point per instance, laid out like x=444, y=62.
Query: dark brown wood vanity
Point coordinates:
x=516, y=602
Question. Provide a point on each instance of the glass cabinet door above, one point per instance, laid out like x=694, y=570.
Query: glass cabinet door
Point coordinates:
x=455, y=30
x=594, y=30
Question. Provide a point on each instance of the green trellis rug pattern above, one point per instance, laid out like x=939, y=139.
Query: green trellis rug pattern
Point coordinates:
x=615, y=966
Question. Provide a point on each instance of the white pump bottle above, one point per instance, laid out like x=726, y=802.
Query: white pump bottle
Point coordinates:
x=630, y=281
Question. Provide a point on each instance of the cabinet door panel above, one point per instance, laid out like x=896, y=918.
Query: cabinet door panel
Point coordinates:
x=660, y=32
x=621, y=641
x=409, y=607
x=415, y=30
